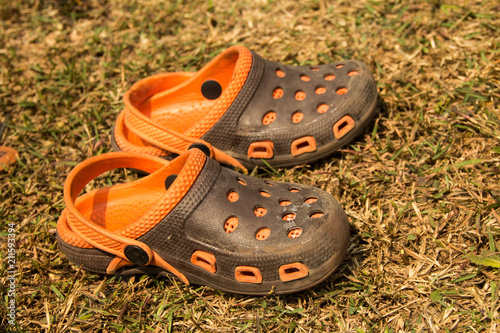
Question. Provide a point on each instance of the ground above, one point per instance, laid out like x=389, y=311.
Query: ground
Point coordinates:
x=420, y=186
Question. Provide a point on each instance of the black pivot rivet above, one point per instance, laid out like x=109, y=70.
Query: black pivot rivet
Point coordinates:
x=211, y=89
x=136, y=255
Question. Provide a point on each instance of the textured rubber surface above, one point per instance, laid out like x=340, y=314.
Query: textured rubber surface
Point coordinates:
x=197, y=223
x=277, y=106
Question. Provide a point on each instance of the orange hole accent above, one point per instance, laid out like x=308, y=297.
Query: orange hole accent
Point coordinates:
x=343, y=126
x=300, y=95
x=297, y=117
x=317, y=215
x=269, y=117
x=330, y=77
x=288, y=217
x=269, y=183
x=303, y=145
x=339, y=66
x=285, y=202
x=352, y=73
x=242, y=182
x=248, y=274
x=232, y=196
x=311, y=200
x=280, y=73
x=322, y=108
x=277, y=93
x=295, y=233
x=294, y=190
x=231, y=224
x=342, y=91
x=205, y=260
x=263, y=233
x=320, y=90
x=293, y=271
x=259, y=212
x=315, y=68
x=265, y=194
x=261, y=149
x=305, y=78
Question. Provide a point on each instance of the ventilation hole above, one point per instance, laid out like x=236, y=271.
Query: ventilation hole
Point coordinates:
x=352, y=73
x=205, y=260
x=295, y=233
x=280, y=73
x=294, y=190
x=265, y=194
x=232, y=196
x=311, y=200
x=285, y=202
x=269, y=183
x=320, y=90
x=247, y=274
x=297, y=117
x=300, y=95
x=262, y=149
x=262, y=233
x=231, y=224
x=241, y=181
x=288, y=216
x=322, y=108
x=343, y=126
x=314, y=68
x=316, y=215
x=305, y=78
x=330, y=77
x=269, y=117
x=211, y=89
x=303, y=145
x=260, y=211
x=277, y=93
x=293, y=271
x=339, y=66
x=342, y=91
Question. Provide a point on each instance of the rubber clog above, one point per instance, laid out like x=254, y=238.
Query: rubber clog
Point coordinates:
x=249, y=111
x=205, y=224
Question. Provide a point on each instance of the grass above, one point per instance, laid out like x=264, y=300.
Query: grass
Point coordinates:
x=420, y=186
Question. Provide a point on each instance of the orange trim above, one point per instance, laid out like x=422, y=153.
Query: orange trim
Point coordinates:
x=303, y=145
x=293, y=271
x=343, y=126
x=205, y=260
x=261, y=149
x=116, y=264
x=248, y=274
x=159, y=262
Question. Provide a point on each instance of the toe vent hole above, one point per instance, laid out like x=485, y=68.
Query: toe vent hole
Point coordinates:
x=263, y=233
x=293, y=271
x=269, y=117
x=285, y=202
x=232, y=196
x=314, y=68
x=320, y=90
x=259, y=212
x=300, y=95
x=280, y=73
x=288, y=216
x=262, y=149
x=305, y=78
x=265, y=193
x=241, y=181
x=339, y=66
x=231, y=224
x=341, y=91
x=297, y=117
x=293, y=189
x=352, y=73
x=311, y=200
x=277, y=93
x=303, y=145
x=205, y=260
x=343, y=126
x=247, y=274
x=269, y=183
x=322, y=108
x=330, y=77
x=295, y=233
x=316, y=215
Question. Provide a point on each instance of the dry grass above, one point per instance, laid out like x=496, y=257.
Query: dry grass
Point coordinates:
x=421, y=186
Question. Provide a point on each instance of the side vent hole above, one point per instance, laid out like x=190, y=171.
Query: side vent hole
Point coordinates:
x=293, y=271
x=262, y=149
x=248, y=274
x=303, y=145
x=205, y=260
x=343, y=126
